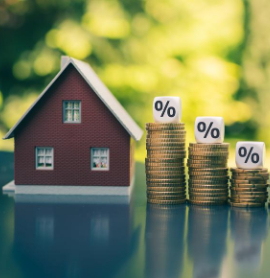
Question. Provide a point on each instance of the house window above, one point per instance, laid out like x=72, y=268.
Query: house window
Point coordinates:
x=44, y=158
x=100, y=159
x=72, y=111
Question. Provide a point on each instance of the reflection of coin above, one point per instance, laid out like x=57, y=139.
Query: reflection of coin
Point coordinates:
x=194, y=194
x=166, y=202
x=246, y=205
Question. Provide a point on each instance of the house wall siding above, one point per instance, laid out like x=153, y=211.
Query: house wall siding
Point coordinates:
x=44, y=127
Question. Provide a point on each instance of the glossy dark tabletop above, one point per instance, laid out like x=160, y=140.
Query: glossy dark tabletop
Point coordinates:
x=110, y=238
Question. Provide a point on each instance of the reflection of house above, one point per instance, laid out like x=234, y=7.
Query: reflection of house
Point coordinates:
x=73, y=240
x=76, y=133
x=207, y=233
x=164, y=241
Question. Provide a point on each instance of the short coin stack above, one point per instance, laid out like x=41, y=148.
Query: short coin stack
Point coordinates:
x=208, y=173
x=164, y=165
x=249, y=187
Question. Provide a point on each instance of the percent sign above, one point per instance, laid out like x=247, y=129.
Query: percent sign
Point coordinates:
x=170, y=110
x=243, y=152
x=214, y=132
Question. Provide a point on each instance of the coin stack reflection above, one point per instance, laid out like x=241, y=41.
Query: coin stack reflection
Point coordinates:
x=164, y=165
x=249, y=187
x=208, y=173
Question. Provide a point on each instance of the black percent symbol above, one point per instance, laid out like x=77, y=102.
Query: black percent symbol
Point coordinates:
x=171, y=112
x=214, y=132
x=243, y=152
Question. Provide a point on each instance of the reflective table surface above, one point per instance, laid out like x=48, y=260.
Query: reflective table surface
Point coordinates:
x=109, y=237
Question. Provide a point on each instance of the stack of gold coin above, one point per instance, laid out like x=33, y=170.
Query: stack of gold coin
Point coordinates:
x=164, y=165
x=208, y=173
x=249, y=187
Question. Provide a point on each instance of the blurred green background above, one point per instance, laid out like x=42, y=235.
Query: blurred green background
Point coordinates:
x=214, y=54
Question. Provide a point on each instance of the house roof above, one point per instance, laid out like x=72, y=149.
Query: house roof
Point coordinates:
x=99, y=88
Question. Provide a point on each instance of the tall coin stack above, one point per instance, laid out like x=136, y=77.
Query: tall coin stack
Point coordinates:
x=164, y=165
x=249, y=187
x=208, y=173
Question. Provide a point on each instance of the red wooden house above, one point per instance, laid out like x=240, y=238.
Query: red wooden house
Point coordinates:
x=75, y=134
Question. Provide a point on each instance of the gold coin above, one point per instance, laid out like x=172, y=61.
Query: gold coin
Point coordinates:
x=166, y=195
x=180, y=140
x=248, y=194
x=165, y=180
x=207, y=158
x=246, y=205
x=165, y=146
x=163, y=160
x=165, y=169
x=251, y=181
x=248, y=189
x=167, y=189
x=249, y=171
x=202, y=174
x=243, y=185
x=166, y=202
x=202, y=166
x=208, y=199
x=207, y=203
x=167, y=132
x=167, y=136
x=207, y=161
x=164, y=176
x=162, y=155
x=208, y=182
x=208, y=186
x=207, y=190
x=211, y=177
x=161, y=126
x=166, y=149
x=208, y=153
x=215, y=170
x=156, y=197
x=245, y=177
x=210, y=145
x=194, y=194
x=165, y=173
x=243, y=199
x=160, y=184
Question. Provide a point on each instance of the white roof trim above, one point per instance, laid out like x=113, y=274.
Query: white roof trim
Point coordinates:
x=100, y=89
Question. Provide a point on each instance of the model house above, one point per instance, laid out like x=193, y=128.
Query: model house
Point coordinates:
x=75, y=134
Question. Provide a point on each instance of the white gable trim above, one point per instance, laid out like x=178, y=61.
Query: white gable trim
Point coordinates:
x=102, y=92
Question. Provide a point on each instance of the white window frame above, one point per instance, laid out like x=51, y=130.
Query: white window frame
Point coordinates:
x=44, y=167
x=64, y=112
x=92, y=159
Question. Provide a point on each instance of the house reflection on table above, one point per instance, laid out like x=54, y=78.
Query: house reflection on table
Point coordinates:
x=73, y=238
x=248, y=230
x=164, y=240
x=207, y=233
